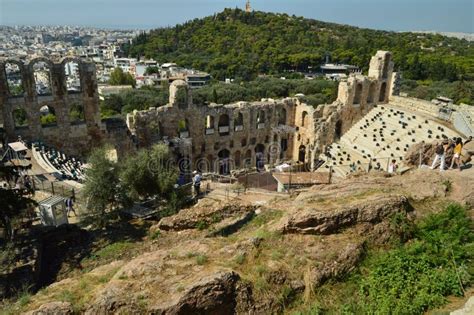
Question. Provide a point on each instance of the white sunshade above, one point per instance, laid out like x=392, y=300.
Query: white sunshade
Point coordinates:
x=17, y=146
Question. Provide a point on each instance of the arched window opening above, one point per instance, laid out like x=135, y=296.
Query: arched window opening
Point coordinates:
x=209, y=125
x=260, y=157
x=261, y=119
x=14, y=79
x=182, y=97
x=42, y=75
x=183, y=128
x=304, y=118
x=224, y=125
x=48, y=116
x=224, y=162
x=358, y=94
x=338, y=129
x=239, y=122
x=282, y=116
x=385, y=67
x=383, y=91
x=72, y=77
x=76, y=114
x=371, y=95
x=20, y=118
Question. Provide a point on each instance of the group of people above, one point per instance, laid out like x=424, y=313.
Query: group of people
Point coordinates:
x=446, y=147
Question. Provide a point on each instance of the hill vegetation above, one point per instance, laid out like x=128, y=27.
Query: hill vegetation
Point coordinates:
x=236, y=44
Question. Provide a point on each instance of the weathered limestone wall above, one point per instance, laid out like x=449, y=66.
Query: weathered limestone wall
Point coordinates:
x=71, y=137
x=238, y=131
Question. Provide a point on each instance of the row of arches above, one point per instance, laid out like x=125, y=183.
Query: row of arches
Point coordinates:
x=41, y=71
x=223, y=124
x=371, y=96
x=225, y=161
x=48, y=117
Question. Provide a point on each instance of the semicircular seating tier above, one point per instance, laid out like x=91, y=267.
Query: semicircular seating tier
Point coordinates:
x=384, y=134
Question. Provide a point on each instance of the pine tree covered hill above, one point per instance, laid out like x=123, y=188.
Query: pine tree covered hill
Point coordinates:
x=237, y=44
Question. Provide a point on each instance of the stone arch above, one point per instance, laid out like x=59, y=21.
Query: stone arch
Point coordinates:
x=386, y=66
x=76, y=113
x=371, y=94
x=304, y=118
x=14, y=72
x=383, y=92
x=338, y=129
x=209, y=124
x=358, y=94
x=20, y=118
x=210, y=163
x=239, y=122
x=260, y=157
x=260, y=119
x=72, y=74
x=41, y=69
x=302, y=154
x=183, y=128
x=223, y=124
x=224, y=161
x=281, y=116
x=179, y=94
x=48, y=116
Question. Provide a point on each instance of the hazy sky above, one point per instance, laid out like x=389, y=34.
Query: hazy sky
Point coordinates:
x=398, y=15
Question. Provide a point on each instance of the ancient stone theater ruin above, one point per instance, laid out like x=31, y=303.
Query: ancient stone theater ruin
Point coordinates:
x=367, y=124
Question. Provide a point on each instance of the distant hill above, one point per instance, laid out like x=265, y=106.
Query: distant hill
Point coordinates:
x=237, y=44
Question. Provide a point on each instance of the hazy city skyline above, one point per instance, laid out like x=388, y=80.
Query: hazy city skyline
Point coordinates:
x=396, y=15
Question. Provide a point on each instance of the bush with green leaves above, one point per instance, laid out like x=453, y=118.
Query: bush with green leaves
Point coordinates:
x=420, y=274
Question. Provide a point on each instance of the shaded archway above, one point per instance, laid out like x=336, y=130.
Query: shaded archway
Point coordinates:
x=260, y=119
x=183, y=128
x=223, y=125
x=302, y=154
x=48, y=116
x=42, y=76
x=383, y=92
x=304, y=119
x=20, y=118
x=209, y=124
x=358, y=94
x=338, y=129
x=248, y=158
x=76, y=113
x=281, y=116
x=239, y=122
x=14, y=79
x=371, y=95
x=224, y=162
x=260, y=157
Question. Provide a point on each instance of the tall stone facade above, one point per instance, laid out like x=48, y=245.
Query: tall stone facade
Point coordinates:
x=218, y=137
x=275, y=130
x=74, y=136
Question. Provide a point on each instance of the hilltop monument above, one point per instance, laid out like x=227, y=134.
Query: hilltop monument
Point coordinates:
x=248, y=8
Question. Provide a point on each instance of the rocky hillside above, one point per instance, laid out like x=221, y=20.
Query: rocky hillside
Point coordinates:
x=242, y=257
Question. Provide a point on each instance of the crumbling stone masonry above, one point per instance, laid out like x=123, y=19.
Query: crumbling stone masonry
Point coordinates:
x=222, y=137
x=74, y=137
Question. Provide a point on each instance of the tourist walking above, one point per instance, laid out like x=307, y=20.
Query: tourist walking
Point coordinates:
x=70, y=206
x=440, y=155
x=197, y=183
x=392, y=167
x=457, y=154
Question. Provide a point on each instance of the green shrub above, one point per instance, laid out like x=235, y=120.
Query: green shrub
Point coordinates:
x=418, y=275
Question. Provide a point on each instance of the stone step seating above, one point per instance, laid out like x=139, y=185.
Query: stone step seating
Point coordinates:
x=54, y=161
x=385, y=133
